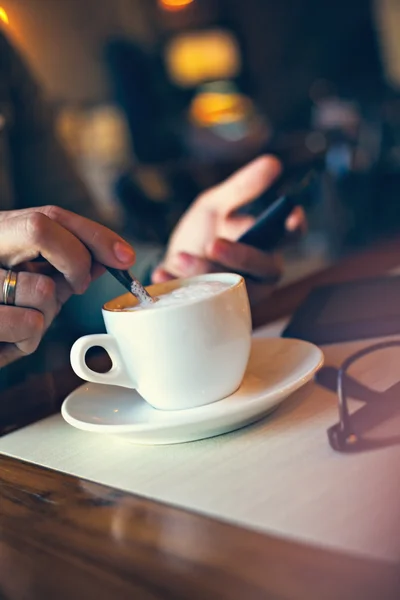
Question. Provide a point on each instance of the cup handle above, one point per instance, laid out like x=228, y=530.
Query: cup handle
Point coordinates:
x=115, y=376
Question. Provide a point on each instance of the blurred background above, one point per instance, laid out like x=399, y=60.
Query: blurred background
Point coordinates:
x=157, y=100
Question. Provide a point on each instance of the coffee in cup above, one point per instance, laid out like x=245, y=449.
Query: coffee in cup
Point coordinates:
x=192, y=292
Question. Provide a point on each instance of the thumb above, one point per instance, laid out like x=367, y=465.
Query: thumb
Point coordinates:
x=243, y=186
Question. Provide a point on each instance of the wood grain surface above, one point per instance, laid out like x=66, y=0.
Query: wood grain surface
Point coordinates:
x=61, y=539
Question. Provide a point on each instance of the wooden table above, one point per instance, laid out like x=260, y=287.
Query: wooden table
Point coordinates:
x=59, y=539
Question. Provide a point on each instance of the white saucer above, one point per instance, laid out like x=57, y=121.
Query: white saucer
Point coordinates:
x=276, y=369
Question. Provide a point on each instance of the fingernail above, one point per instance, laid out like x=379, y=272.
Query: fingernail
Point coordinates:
x=124, y=252
x=186, y=260
x=291, y=223
x=181, y=260
x=156, y=276
x=219, y=248
x=160, y=276
x=185, y=263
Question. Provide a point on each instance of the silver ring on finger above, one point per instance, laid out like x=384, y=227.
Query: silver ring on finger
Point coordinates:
x=9, y=287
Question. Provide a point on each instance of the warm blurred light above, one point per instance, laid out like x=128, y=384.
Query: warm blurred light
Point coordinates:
x=70, y=124
x=98, y=134
x=193, y=58
x=105, y=137
x=4, y=16
x=174, y=5
x=210, y=108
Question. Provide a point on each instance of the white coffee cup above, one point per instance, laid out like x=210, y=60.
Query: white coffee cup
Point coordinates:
x=176, y=356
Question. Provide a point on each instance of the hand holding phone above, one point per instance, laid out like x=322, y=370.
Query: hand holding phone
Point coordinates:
x=269, y=230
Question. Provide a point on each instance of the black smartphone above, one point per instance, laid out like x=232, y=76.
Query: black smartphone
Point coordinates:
x=268, y=230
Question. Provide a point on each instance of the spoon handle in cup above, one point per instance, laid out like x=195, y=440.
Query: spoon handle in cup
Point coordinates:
x=131, y=284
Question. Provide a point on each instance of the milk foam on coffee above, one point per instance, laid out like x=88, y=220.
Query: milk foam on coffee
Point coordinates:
x=185, y=294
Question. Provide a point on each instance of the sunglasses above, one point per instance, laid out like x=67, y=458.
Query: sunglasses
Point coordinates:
x=348, y=435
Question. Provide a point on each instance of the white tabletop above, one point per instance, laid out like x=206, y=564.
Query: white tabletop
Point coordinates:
x=279, y=476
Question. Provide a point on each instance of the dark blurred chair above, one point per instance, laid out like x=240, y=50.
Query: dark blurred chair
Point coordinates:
x=147, y=99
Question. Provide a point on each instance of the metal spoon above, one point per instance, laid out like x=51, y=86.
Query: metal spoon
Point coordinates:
x=132, y=284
